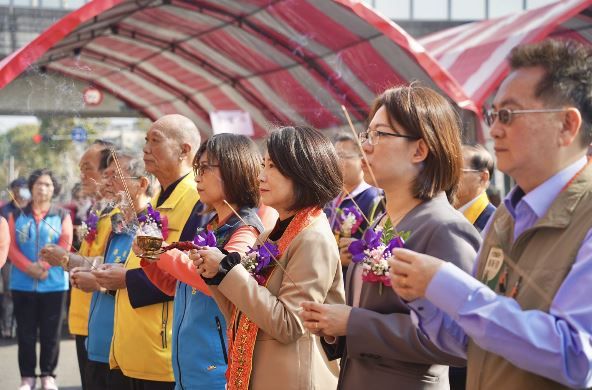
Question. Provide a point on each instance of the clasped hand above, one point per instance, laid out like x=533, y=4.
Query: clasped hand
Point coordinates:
x=324, y=319
x=83, y=279
x=111, y=276
x=412, y=272
x=206, y=261
x=52, y=254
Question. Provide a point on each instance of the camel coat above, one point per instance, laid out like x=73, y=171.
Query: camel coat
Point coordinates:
x=286, y=356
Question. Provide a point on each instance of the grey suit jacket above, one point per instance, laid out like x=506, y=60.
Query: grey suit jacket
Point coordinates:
x=383, y=348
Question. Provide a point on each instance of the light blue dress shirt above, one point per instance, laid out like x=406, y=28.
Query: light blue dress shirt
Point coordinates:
x=556, y=345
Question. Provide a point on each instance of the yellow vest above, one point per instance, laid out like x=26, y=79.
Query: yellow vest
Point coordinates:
x=80, y=300
x=140, y=347
x=474, y=211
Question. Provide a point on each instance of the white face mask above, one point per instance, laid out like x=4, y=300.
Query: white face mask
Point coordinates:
x=24, y=193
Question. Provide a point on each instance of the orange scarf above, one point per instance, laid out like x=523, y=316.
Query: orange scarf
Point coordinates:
x=243, y=335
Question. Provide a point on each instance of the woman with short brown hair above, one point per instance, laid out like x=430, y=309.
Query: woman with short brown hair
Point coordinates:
x=269, y=347
x=414, y=153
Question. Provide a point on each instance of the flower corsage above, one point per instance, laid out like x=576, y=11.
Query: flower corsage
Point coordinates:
x=348, y=222
x=153, y=224
x=88, y=229
x=258, y=259
x=373, y=250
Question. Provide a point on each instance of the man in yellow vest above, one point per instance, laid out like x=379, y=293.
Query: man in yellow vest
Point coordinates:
x=471, y=199
x=473, y=202
x=523, y=320
x=140, y=349
x=91, y=165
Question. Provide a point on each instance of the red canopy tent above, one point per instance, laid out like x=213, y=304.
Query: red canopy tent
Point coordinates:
x=283, y=61
x=475, y=53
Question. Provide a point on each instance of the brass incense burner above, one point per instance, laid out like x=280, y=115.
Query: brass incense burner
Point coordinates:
x=151, y=246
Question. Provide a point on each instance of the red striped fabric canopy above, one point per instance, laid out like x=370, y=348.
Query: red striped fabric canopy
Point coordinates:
x=475, y=53
x=283, y=61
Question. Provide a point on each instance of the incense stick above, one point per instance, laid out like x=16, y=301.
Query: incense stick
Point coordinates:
x=357, y=206
x=127, y=193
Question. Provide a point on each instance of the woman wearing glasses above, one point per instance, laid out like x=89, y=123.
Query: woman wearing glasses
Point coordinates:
x=226, y=169
x=269, y=346
x=414, y=154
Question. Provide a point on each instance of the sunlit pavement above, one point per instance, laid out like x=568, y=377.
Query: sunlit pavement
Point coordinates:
x=68, y=377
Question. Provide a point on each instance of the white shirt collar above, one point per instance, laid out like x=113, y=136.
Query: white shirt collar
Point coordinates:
x=464, y=207
x=363, y=186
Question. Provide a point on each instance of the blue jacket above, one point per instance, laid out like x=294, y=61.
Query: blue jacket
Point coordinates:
x=102, y=305
x=30, y=238
x=199, y=329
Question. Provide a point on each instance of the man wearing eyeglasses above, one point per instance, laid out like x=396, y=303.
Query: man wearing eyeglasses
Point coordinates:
x=140, y=354
x=471, y=198
x=523, y=320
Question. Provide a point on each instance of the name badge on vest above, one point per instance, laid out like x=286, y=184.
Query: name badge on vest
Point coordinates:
x=493, y=265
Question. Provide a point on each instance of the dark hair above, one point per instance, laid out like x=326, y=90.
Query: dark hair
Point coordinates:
x=105, y=143
x=568, y=75
x=308, y=158
x=76, y=189
x=37, y=173
x=133, y=165
x=240, y=164
x=19, y=182
x=427, y=115
x=479, y=158
x=104, y=158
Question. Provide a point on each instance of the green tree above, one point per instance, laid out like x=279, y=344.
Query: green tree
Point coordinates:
x=57, y=151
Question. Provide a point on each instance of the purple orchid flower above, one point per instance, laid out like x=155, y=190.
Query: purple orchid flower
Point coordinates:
x=396, y=242
x=205, y=238
x=357, y=248
x=370, y=240
x=92, y=220
x=343, y=216
x=151, y=215
x=265, y=253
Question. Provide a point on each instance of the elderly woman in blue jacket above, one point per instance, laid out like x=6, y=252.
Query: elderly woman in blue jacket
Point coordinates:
x=38, y=290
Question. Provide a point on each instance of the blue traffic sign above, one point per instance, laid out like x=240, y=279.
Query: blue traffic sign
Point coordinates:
x=79, y=134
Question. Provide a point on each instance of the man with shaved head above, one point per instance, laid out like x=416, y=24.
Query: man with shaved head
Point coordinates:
x=140, y=350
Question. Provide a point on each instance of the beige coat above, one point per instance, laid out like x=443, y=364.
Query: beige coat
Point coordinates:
x=286, y=356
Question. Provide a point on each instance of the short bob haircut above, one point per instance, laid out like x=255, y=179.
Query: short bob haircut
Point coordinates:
x=240, y=164
x=308, y=158
x=37, y=173
x=427, y=115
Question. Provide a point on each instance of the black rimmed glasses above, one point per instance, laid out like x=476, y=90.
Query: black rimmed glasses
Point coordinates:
x=504, y=115
x=200, y=169
x=373, y=136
